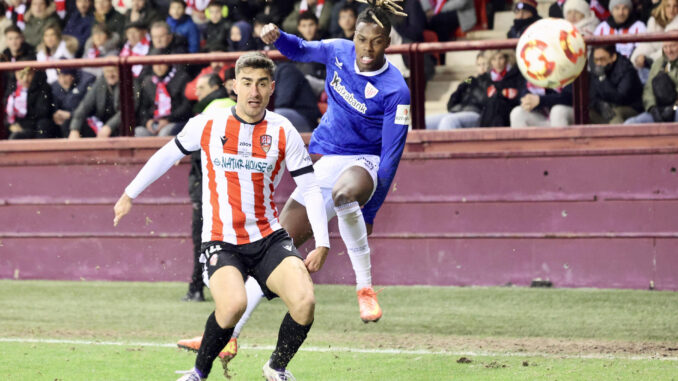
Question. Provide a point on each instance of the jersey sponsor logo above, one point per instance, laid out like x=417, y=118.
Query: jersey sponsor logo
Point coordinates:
x=238, y=164
x=402, y=115
x=265, y=142
x=245, y=144
x=223, y=140
x=339, y=64
x=348, y=97
x=370, y=91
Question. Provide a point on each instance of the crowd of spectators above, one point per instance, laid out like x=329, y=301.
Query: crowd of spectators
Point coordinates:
x=625, y=80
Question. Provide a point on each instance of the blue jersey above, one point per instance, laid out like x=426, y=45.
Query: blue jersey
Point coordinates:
x=368, y=112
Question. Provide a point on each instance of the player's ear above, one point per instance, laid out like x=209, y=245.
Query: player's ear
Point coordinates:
x=272, y=87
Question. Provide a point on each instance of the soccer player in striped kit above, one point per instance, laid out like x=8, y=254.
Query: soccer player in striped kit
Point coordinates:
x=244, y=152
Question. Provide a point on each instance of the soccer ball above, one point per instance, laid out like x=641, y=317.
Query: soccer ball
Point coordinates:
x=551, y=53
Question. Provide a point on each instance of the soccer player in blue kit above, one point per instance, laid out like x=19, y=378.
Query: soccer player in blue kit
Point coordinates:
x=361, y=138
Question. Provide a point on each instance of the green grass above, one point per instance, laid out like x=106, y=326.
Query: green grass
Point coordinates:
x=497, y=328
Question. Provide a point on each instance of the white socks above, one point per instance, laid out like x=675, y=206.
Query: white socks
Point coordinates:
x=254, y=296
x=354, y=234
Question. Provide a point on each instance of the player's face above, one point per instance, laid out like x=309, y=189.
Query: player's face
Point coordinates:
x=254, y=88
x=620, y=13
x=370, y=44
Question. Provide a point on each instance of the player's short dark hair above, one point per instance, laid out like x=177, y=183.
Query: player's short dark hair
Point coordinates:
x=610, y=49
x=255, y=60
x=13, y=28
x=370, y=13
x=308, y=16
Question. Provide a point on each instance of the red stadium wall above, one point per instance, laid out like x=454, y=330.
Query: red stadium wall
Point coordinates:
x=581, y=206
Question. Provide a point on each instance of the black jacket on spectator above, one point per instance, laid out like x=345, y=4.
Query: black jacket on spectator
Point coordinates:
x=115, y=22
x=216, y=36
x=411, y=27
x=38, y=120
x=80, y=27
x=102, y=101
x=219, y=93
x=519, y=26
x=556, y=10
x=503, y=96
x=620, y=86
x=147, y=16
x=26, y=53
x=69, y=100
x=293, y=91
x=181, y=107
x=470, y=95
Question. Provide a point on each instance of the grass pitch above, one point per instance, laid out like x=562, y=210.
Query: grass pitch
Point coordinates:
x=124, y=331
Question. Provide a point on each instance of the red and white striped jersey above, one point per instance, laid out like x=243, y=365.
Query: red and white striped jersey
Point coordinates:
x=242, y=164
x=604, y=29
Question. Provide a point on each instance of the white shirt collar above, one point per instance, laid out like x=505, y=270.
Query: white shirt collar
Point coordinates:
x=370, y=73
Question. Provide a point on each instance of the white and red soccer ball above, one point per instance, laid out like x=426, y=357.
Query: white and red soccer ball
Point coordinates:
x=551, y=53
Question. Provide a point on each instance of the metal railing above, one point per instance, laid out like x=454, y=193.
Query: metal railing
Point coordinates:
x=414, y=51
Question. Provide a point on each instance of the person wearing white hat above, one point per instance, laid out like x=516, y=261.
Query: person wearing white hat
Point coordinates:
x=579, y=14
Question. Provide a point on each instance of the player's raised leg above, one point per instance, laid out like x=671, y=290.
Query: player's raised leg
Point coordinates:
x=228, y=290
x=291, y=281
x=353, y=189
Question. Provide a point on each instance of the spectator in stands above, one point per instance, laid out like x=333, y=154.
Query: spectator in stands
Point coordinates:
x=80, y=24
x=614, y=87
x=37, y=19
x=100, y=44
x=556, y=10
x=16, y=12
x=278, y=10
x=321, y=9
x=444, y=17
x=217, y=28
x=408, y=29
x=163, y=38
x=5, y=22
x=579, y=14
x=163, y=110
x=659, y=93
x=503, y=92
x=525, y=14
x=313, y=71
x=662, y=17
x=217, y=67
x=181, y=24
x=211, y=92
x=29, y=106
x=240, y=38
x=67, y=93
x=259, y=22
x=622, y=21
x=17, y=48
x=294, y=98
x=540, y=107
x=105, y=14
x=141, y=11
x=98, y=115
x=54, y=47
x=466, y=102
x=138, y=44
x=347, y=19
x=358, y=7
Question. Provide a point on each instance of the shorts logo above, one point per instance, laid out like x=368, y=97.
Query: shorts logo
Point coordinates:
x=214, y=259
x=265, y=141
x=370, y=91
x=287, y=246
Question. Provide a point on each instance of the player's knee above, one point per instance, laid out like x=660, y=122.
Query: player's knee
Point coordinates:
x=303, y=307
x=343, y=195
x=228, y=313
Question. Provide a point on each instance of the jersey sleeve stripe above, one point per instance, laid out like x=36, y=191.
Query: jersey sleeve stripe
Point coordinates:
x=302, y=171
x=181, y=148
x=282, y=142
x=259, y=140
x=217, y=224
x=259, y=206
x=235, y=201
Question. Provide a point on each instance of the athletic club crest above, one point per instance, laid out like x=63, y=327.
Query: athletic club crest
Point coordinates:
x=265, y=142
x=370, y=91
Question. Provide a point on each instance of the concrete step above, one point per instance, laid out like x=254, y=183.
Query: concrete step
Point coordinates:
x=486, y=35
x=503, y=21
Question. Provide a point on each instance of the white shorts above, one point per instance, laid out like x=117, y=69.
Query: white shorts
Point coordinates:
x=328, y=170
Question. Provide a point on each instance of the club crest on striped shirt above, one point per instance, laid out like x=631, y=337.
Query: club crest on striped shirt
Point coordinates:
x=265, y=141
x=370, y=91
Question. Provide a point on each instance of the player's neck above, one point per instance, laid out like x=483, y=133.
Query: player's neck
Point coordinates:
x=244, y=118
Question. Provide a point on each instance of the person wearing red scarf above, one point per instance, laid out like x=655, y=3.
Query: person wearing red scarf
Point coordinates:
x=163, y=109
x=28, y=107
